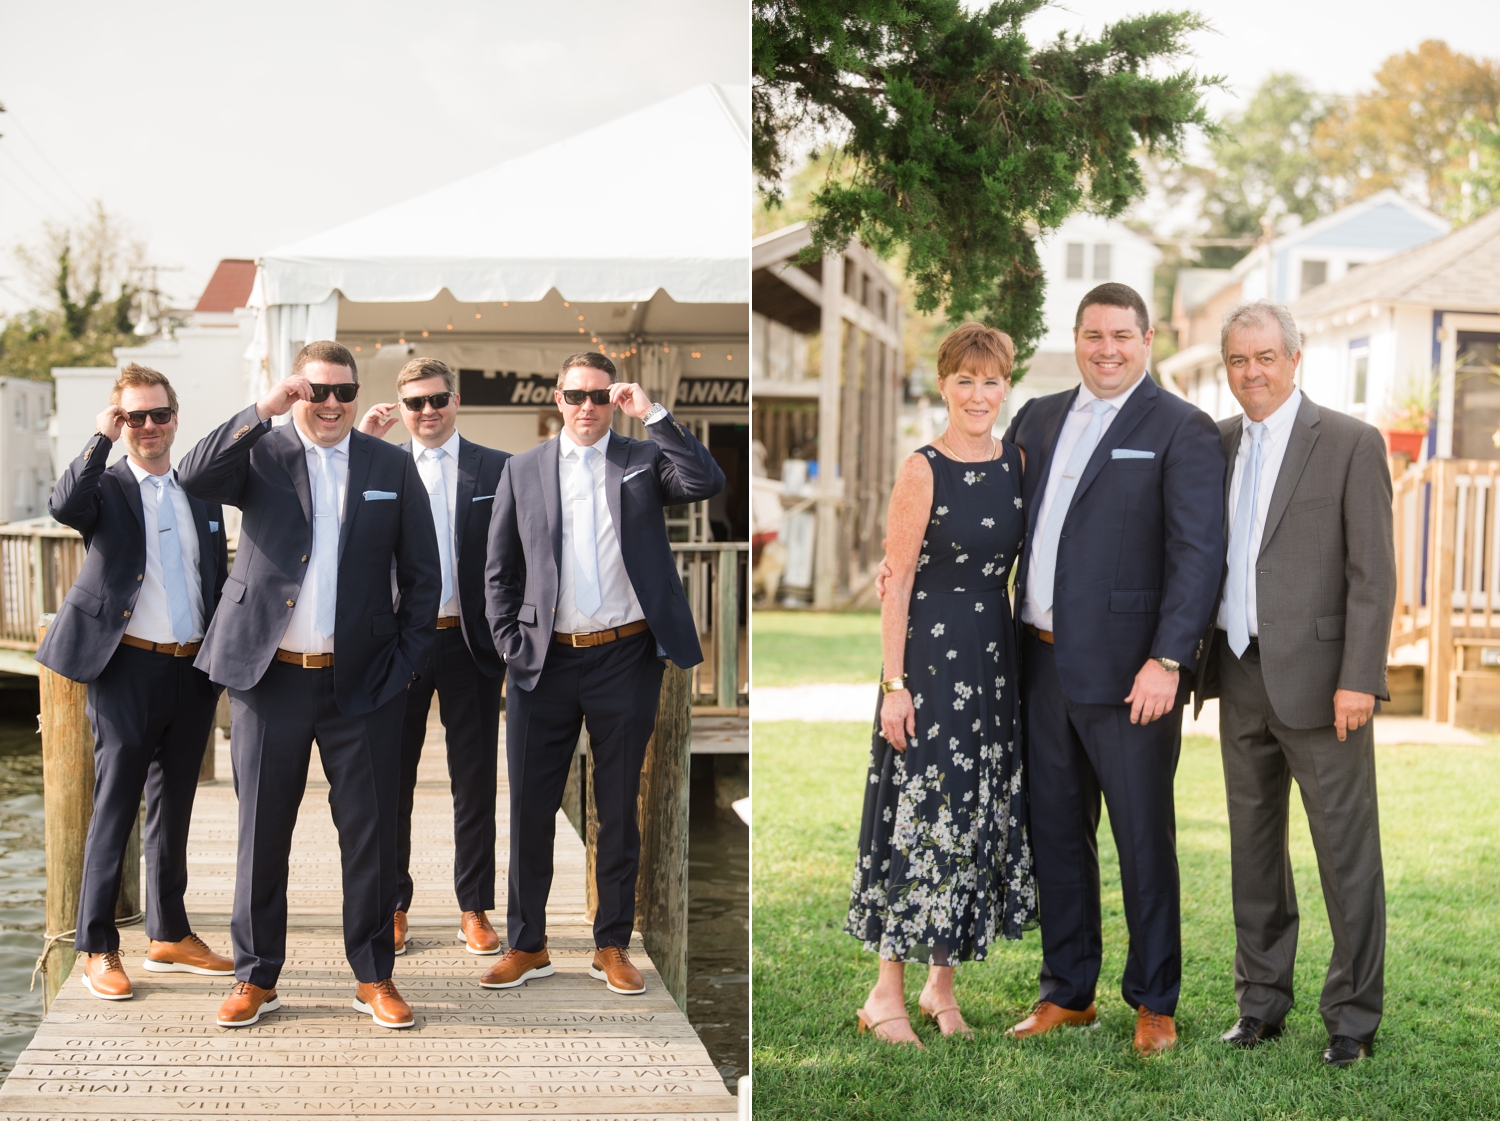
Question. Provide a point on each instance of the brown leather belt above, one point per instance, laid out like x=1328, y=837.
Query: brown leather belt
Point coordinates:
x=306, y=661
x=447, y=622
x=1045, y=636
x=599, y=638
x=182, y=650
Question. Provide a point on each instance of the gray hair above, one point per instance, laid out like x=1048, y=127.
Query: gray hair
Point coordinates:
x=1259, y=313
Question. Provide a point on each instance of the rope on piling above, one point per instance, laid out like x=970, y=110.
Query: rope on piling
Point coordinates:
x=52, y=939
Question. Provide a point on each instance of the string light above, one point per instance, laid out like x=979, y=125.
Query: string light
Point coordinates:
x=580, y=330
x=478, y=316
x=356, y=350
x=566, y=304
x=505, y=303
x=424, y=334
x=377, y=346
x=697, y=354
x=401, y=341
x=729, y=358
x=450, y=327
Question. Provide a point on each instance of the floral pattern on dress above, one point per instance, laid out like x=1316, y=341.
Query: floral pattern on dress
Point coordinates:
x=944, y=850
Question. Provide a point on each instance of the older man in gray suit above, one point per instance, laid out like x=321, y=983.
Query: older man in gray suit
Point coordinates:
x=1297, y=660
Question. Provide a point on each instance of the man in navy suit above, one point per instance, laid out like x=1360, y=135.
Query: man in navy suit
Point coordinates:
x=464, y=669
x=129, y=627
x=311, y=646
x=584, y=601
x=1124, y=487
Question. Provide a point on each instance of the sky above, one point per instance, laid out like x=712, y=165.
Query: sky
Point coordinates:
x=219, y=130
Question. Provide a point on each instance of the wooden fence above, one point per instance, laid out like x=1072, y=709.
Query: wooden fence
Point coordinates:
x=715, y=577
x=39, y=560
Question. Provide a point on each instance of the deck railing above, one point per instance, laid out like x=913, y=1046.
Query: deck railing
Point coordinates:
x=715, y=577
x=39, y=560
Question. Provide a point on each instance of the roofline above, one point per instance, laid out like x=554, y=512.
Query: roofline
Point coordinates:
x=1379, y=198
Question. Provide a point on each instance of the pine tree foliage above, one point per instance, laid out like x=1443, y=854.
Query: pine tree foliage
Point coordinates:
x=960, y=141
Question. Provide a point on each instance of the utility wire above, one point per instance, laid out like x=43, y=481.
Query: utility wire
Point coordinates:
x=66, y=209
x=30, y=140
x=17, y=188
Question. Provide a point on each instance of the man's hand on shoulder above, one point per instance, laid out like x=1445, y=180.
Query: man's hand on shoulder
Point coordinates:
x=1154, y=693
x=1351, y=711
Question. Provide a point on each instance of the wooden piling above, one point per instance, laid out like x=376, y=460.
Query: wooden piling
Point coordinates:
x=661, y=893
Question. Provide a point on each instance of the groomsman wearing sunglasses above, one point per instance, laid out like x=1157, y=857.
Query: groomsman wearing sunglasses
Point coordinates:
x=585, y=604
x=129, y=627
x=312, y=647
x=464, y=669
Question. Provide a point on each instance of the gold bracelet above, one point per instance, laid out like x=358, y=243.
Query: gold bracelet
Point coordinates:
x=894, y=684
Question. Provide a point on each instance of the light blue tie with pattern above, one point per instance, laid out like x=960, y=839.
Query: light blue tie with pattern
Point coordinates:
x=169, y=547
x=326, y=545
x=1046, y=555
x=1237, y=585
x=437, y=498
x=586, y=595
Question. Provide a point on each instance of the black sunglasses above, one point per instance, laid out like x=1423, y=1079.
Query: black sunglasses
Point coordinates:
x=345, y=391
x=138, y=419
x=417, y=404
x=576, y=396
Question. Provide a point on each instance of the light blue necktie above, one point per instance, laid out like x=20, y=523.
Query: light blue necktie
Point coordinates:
x=437, y=497
x=586, y=596
x=1057, y=513
x=169, y=546
x=1237, y=586
x=326, y=546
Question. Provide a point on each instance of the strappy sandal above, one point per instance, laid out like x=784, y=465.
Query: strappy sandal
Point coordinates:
x=866, y=1024
x=965, y=1032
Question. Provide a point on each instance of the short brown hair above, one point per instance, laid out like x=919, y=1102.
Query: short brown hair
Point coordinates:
x=976, y=347
x=419, y=369
x=138, y=377
x=590, y=358
x=325, y=350
x=1116, y=295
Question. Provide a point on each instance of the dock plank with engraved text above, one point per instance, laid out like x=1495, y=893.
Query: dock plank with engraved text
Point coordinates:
x=563, y=1047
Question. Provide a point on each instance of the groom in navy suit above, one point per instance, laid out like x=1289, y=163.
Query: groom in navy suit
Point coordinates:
x=1124, y=488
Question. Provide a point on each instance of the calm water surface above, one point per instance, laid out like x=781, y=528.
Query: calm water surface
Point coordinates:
x=23, y=884
x=718, y=965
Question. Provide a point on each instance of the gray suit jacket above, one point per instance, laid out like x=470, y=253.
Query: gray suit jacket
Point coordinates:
x=1325, y=579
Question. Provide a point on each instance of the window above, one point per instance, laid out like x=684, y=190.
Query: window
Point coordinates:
x=1359, y=375
x=20, y=412
x=23, y=492
x=1101, y=261
x=43, y=411
x=1075, y=260
x=1314, y=273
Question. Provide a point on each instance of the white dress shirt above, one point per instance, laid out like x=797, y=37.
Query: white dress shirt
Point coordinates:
x=151, y=618
x=1272, y=451
x=301, y=635
x=618, y=604
x=1073, y=427
x=449, y=466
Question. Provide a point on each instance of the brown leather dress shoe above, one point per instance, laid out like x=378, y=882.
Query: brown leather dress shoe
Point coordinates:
x=1047, y=1016
x=400, y=932
x=382, y=1003
x=191, y=955
x=612, y=966
x=104, y=976
x=245, y=1004
x=1154, y=1032
x=516, y=968
x=478, y=935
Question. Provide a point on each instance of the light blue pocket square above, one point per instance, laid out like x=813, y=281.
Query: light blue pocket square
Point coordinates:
x=1131, y=453
x=213, y=527
x=633, y=474
x=380, y=496
x=483, y=497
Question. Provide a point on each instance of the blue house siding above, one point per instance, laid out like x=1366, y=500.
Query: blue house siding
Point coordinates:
x=1386, y=228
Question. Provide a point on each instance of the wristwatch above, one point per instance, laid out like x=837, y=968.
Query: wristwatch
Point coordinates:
x=654, y=413
x=1168, y=664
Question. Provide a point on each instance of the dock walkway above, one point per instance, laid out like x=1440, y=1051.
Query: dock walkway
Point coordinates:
x=563, y=1047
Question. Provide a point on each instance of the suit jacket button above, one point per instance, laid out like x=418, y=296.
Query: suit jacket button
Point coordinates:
x=127, y=614
x=140, y=576
x=291, y=603
x=304, y=558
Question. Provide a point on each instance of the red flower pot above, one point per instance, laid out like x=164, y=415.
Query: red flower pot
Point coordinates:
x=1408, y=444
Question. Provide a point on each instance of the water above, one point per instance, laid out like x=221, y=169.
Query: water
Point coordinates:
x=718, y=960
x=23, y=875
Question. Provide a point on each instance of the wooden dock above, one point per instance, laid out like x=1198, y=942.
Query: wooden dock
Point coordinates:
x=563, y=1047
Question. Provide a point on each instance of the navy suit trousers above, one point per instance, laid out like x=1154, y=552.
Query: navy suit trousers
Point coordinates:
x=151, y=714
x=615, y=688
x=469, y=707
x=1075, y=752
x=275, y=724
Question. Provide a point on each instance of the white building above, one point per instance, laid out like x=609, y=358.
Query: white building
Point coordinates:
x=25, y=453
x=1084, y=252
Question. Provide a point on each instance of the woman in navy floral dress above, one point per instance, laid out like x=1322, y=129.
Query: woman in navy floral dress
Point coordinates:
x=944, y=863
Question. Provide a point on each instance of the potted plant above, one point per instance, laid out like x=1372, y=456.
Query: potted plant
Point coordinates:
x=1410, y=415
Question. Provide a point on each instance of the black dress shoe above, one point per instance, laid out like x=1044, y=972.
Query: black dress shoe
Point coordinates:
x=1345, y=1051
x=1248, y=1031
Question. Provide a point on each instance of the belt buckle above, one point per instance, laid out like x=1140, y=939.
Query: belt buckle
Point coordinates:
x=305, y=656
x=573, y=640
x=179, y=650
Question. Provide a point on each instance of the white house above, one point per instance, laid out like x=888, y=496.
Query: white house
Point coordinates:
x=1085, y=251
x=26, y=475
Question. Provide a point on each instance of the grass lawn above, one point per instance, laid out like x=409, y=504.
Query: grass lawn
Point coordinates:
x=798, y=647
x=1436, y=1056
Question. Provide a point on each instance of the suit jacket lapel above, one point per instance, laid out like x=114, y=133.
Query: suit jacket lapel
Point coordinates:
x=359, y=472
x=547, y=465
x=468, y=486
x=294, y=460
x=616, y=456
x=1050, y=435
x=1299, y=446
x=1231, y=451
x=127, y=480
x=1141, y=402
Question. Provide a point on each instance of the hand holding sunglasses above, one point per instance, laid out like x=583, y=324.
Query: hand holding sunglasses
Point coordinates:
x=287, y=392
x=113, y=420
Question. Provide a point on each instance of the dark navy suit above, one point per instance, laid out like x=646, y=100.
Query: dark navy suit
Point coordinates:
x=466, y=672
x=615, y=687
x=353, y=709
x=151, y=713
x=1138, y=567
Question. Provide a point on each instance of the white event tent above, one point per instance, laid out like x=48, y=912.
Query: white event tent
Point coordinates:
x=631, y=238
